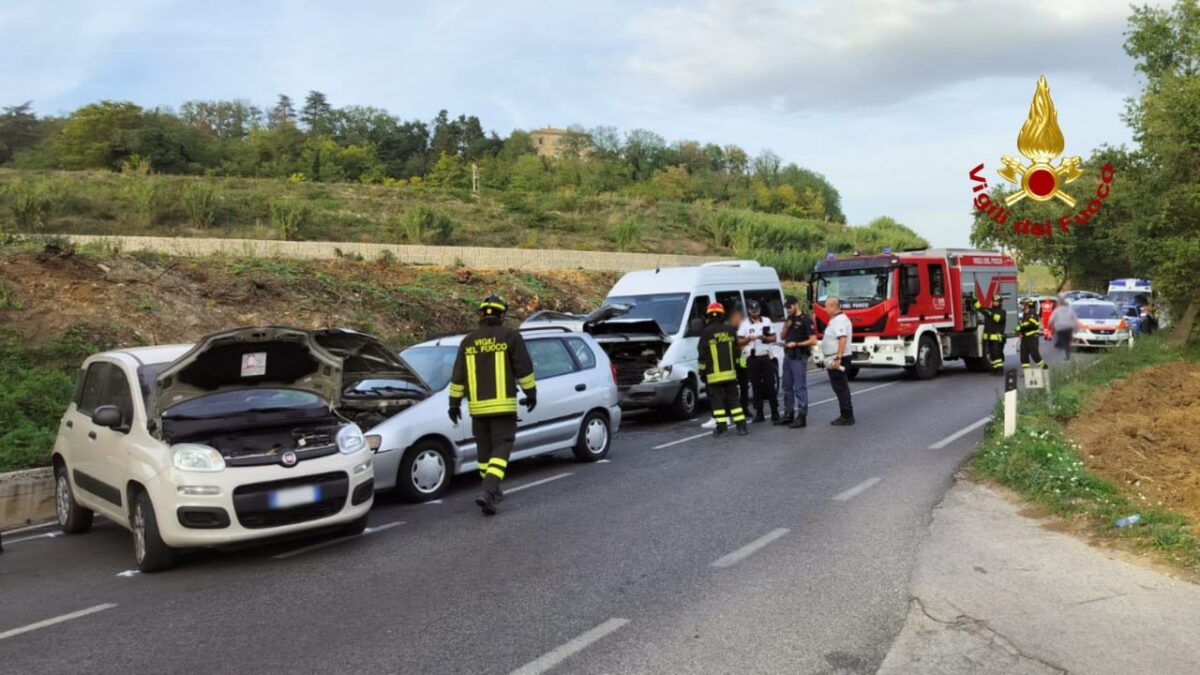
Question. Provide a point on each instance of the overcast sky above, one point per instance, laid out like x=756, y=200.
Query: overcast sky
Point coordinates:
x=893, y=100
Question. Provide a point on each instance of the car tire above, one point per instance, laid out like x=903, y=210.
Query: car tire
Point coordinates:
x=72, y=518
x=150, y=552
x=929, y=358
x=425, y=472
x=356, y=526
x=686, y=400
x=852, y=372
x=595, y=438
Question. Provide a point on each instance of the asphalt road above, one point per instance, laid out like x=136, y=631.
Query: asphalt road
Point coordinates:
x=785, y=551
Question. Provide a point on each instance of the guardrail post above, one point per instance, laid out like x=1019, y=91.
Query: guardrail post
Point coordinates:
x=1010, y=402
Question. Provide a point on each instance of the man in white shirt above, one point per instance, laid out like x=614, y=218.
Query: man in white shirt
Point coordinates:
x=835, y=347
x=1064, y=321
x=755, y=335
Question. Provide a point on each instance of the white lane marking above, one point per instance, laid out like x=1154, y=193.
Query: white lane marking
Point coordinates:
x=436, y=501
x=535, y=483
x=960, y=433
x=604, y=461
x=856, y=490
x=854, y=392
x=56, y=620
x=128, y=573
x=751, y=548
x=685, y=439
x=338, y=540
x=48, y=535
x=568, y=649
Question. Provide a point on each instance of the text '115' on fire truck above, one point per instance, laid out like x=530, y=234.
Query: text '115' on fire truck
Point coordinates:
x=916, y=309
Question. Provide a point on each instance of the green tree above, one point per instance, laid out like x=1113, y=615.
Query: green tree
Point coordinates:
x=19, y=129
x=95, y=136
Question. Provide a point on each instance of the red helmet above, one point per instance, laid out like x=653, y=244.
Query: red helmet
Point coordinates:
x=715, y=308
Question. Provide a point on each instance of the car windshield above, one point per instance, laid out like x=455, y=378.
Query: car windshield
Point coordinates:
x=665, y=308
x=846, y=285
x=434, y=363
x=1097, y=311
x=227, y=403
x=1127, y=297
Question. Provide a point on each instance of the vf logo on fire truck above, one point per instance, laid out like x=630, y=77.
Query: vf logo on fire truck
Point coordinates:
x=1041, y=142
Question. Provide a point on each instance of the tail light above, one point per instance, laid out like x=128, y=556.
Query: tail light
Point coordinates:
x=613, y=369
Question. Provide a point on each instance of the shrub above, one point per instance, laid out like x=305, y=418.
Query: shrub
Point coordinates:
x=288, y=218
x=145, y=199
x=201, y=204
x=32, y=203
x=422, y=224
x=629, y=235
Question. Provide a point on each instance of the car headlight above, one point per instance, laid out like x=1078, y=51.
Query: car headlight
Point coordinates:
x=350, y=439
x=196, y=457
x=657, y=374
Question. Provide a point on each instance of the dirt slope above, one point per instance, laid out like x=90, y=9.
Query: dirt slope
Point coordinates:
x=1144, y=434
x=149, y=299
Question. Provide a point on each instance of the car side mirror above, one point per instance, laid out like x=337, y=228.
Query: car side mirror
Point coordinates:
x=108, y=416
x=695, y=327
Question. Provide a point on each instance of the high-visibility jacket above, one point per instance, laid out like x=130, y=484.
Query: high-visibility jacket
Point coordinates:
x=492, y=362
x=718, y=352
x=993, y=321
x=1029, y=324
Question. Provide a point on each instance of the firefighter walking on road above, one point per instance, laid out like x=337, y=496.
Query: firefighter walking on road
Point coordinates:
x=718, y=354
x=1030, y=328
x=993, y=332
x=492, y=362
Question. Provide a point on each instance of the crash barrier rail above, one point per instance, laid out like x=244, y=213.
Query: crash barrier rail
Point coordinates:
x=467, y=256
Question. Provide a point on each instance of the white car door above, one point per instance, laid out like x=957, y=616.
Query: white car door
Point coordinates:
x=557, y=414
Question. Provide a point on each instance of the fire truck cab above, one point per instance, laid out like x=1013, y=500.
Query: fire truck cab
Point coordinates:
x=915, y=309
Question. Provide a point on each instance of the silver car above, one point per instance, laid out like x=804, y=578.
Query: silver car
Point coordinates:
x=418, y=450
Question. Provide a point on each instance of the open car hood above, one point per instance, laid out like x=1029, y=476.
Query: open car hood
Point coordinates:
x=365, y=357
x=626, y=328
x=247, y=358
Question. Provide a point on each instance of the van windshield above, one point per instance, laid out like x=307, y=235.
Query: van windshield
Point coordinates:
x=665, y=308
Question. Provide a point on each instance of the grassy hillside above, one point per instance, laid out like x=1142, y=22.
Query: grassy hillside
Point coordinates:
x=57, y=306
x=97, y=202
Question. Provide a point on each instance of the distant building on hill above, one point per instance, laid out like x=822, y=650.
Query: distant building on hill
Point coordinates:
x=550, y=141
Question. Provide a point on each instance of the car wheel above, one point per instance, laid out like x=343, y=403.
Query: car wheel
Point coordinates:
x=929, y=358
x=72, y=518
x=595, y=437
x=149, y=550
x=852, y=372
x=356, y=526
x=686, y=401
x=424, y=473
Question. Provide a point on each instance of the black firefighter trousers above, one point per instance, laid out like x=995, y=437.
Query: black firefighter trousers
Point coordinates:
x=724, y=399
x=494, y=437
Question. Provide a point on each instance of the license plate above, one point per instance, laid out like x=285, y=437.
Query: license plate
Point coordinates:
x=287, y=498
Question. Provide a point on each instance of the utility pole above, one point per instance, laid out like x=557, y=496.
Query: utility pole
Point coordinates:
x=475, y=179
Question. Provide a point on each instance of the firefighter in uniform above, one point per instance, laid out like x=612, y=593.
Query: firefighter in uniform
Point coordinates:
x=993, y=332
x=1030, y=328
x=492, y=362
x=718, y=353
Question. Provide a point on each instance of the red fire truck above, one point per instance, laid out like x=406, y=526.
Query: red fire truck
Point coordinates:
x=915, y=309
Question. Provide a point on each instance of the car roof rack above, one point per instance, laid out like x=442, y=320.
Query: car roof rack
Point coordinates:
x=534, y=329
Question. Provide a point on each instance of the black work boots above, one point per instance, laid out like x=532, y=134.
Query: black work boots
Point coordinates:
x=799, y=422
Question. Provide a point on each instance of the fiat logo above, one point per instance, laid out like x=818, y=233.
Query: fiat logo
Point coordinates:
x=288, y=459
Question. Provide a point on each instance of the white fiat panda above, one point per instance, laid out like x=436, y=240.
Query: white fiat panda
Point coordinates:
x=243, y=436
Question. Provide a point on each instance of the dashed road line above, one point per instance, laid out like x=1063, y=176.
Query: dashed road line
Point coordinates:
x=750, y=549
x=55, y=620
x=960, y=433
x=535, y=483
x=568, y=649
x=856, y=490
x=337, y=540
x=677, y=441
x=855, y=392
x=47, y=535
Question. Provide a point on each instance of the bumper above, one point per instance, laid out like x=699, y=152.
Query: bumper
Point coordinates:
x=1094, y=340
x=244, y=508
x=614, y=418
x=874, y=352
x=650, y=394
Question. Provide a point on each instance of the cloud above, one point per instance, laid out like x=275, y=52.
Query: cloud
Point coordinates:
x=828, y=54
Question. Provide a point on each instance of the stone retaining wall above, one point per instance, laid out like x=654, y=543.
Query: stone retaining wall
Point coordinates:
x=468, y=256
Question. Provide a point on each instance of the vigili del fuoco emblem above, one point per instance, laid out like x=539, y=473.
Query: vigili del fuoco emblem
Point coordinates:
x=1040, y=140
